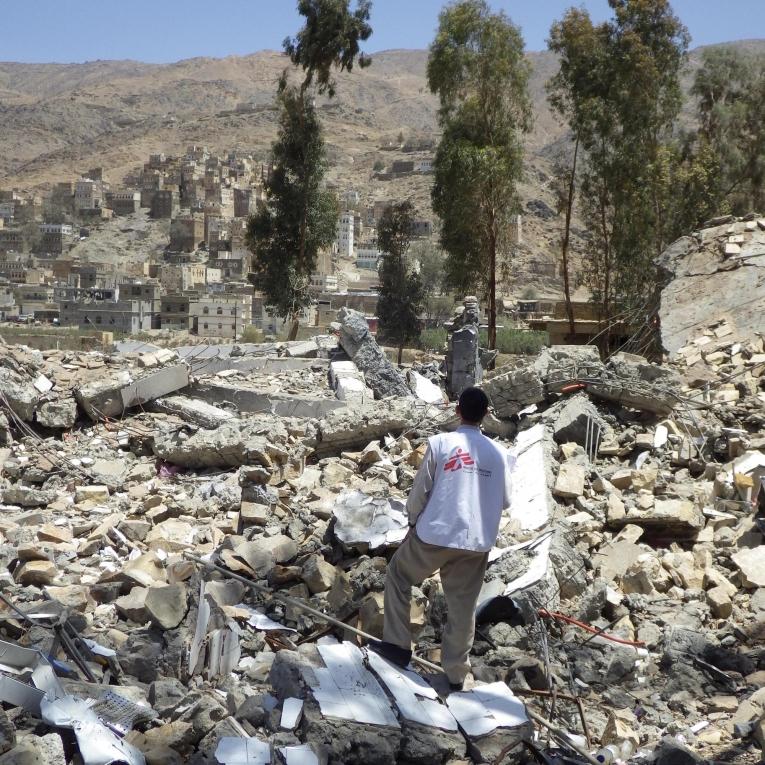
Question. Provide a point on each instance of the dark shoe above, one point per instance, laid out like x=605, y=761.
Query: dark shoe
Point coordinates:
x=393, y=653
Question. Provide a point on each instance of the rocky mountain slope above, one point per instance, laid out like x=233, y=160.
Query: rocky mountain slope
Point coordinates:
x=61, y=119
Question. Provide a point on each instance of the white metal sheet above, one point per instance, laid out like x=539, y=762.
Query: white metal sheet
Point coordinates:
x=299, y=755
x=529, y=505
x=291, y=713
x=486, y=708
x=242, y=751
x=347, y=689
x=407, y=689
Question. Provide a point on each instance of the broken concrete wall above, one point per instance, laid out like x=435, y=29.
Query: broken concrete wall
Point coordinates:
x=251, y=401
x=348, y=429
x=262, y=441
x=715, y=274
x=111, y=396
x=357, y=341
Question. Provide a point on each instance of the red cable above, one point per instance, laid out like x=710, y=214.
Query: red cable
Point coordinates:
x=572, y=387
x=543, y=612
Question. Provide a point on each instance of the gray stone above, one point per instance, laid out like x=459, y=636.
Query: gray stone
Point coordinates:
x=463, y=356
x=7, y=733
x=423, y=745
x=166, y=605
x=166, y=694
x=133, y=605
x=253, y=710
x=253, y=401
x=318, y=575
x=676, y=518
x=140, y=656
x=32, y=749
x=357, y=341
x=349, y=742
x=570, y=481
x=25, y=496
x=263, y=553
x=21, y=395
x=60, y=414
x=671, y=752
x=572, y=421
x=751, y=564
x=192, y=410
x=204, y=715
x=36, y=572
x=512, y=388
x=353, y=428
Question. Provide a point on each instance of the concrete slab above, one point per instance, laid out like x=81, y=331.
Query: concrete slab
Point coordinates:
x=254, y=401
x=111, y=396
x=192, y=410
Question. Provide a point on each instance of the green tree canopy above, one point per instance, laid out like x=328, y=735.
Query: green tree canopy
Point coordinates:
x=300, y=215
x=401, y=294
x=618, y=89
x=477, y=67
x=330, y=39
x=730, y=91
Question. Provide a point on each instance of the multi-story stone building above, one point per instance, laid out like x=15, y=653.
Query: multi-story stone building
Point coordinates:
x=124, y=202
x=165, y=203
x=221, y=315
x=175, y=311
x=131, y=308
x=11, y=240
x=88, y=195
x=13, y=269
x=180, y=277
x=186, y=233
x=368, y=256
x=56, y=238
x=344, y=236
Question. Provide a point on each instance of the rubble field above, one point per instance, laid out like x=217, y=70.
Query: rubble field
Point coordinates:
x=624, y=602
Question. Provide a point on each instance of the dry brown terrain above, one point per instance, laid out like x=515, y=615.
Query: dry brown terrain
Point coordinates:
x=58, y=120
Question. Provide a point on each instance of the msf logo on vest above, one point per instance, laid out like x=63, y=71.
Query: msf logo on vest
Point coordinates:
x=457, y=460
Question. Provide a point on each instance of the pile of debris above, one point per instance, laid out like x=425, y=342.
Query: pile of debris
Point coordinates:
x=623, y=600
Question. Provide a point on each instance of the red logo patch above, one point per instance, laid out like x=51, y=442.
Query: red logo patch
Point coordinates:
x=458, y=460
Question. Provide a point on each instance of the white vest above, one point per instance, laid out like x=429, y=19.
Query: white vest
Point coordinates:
x=471, y=488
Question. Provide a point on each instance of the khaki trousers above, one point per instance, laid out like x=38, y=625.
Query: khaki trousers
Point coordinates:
x=461, y=577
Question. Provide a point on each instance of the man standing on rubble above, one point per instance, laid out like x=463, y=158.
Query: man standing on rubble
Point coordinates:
x=454, y=508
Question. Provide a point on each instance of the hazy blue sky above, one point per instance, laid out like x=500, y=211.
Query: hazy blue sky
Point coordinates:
x=168, y=30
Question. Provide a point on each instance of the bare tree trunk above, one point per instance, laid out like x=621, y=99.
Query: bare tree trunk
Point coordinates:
x=293, y=333
x=492, y=289
x=400, y=354
x=606, y=341
x=566, y=240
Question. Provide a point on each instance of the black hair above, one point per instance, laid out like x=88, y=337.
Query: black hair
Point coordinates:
x=474, y=404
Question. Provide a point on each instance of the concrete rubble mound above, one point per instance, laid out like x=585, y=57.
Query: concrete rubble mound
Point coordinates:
x=717, y=272
x=623, y=603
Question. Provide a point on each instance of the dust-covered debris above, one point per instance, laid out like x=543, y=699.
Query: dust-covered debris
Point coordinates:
x=628, y=579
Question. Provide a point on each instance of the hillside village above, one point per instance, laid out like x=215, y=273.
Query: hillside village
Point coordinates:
x=187, y=267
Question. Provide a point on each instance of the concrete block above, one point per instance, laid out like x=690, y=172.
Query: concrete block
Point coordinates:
x=192, y=410
x=110, y=397
x=570, y=481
